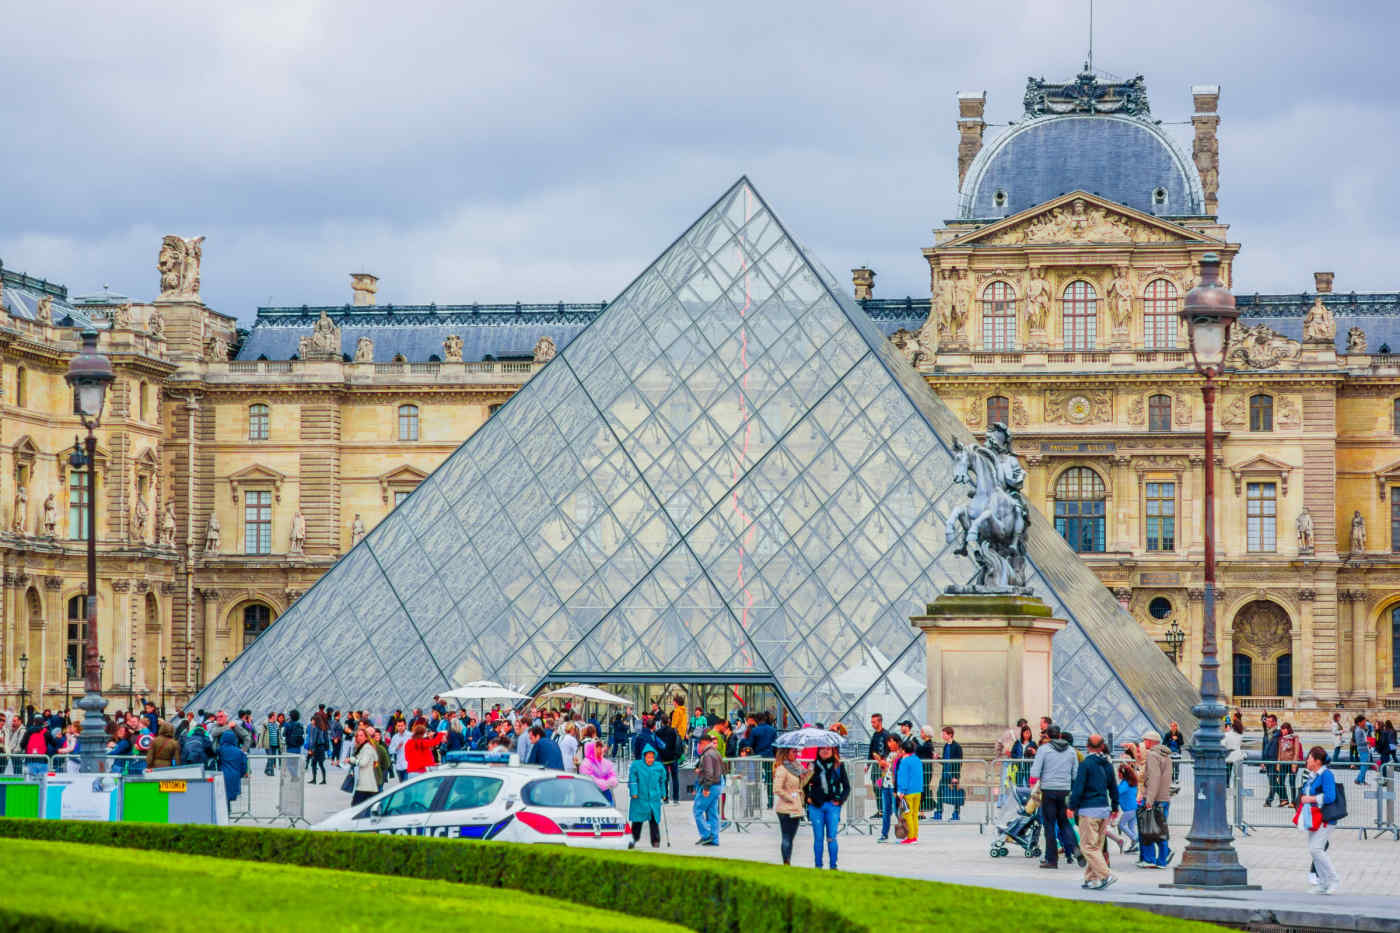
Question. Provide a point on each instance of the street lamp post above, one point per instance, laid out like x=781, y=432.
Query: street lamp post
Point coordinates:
x=23, y=686
x=198, y=674
x=67, y=687
x=1209, y=860
x=163, y=662
x=1175, y=639
x=90, y=373
x=131, y=682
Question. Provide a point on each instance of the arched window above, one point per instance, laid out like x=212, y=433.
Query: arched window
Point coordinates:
x=1160, y=306
x=1159, y=413
x=1079, y=509
x=1283, y=675
x=142, y=390
x=259, y=422
x=1080, y=314
x=998, y=317
x=1395, y=648
x=76, y=634
x=256, y=619
x=998, y=410
x=1261, y=413
x=408, y=422
x=21, y=387
x=1243, y=680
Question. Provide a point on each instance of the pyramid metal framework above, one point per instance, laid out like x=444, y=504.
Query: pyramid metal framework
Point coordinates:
x=729, y=476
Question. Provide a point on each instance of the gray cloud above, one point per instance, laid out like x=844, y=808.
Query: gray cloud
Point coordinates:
x=497, y=152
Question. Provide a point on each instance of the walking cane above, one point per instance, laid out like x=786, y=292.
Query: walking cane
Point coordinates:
x=665, y=825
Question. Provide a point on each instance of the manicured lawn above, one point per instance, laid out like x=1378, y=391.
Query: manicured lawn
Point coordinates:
x=155, y=891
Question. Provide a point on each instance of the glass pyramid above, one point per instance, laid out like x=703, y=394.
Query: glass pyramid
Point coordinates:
x=730, y=475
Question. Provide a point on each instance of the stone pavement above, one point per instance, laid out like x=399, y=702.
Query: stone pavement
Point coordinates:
x=1277, y=860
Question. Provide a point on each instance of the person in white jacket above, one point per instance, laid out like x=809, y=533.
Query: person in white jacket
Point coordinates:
x=1233, y=741
x=1339, y=736
x=568, y=747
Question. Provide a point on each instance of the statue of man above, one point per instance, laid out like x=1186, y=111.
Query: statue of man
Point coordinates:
x=1120, y=297
x=357, y=530
x=51, y=517
x=1037, y=300
x=1305, y=530
x=298, y=532
x=19, y=513
x=1358, y=532
x=211, y=537
x=364, y=350
x=167, y=526
x=139, y=513
x=1010, y=474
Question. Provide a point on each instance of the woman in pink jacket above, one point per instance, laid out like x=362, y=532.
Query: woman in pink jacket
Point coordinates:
x=598, y=768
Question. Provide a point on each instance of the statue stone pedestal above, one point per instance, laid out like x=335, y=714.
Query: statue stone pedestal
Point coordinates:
x=989, y=664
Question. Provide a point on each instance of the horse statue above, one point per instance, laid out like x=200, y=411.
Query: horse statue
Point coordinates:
x=992, y=527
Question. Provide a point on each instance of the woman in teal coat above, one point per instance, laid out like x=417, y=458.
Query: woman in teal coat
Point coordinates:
x=646, y=789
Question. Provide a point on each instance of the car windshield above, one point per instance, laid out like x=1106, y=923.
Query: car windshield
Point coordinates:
x=563, y=792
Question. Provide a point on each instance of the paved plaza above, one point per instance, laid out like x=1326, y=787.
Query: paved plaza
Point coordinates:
x=958, y=853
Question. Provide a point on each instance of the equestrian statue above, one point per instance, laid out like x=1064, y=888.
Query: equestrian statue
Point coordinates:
x=992, y=527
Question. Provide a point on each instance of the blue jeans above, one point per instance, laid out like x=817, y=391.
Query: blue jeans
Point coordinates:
x=1157, y=853
x=824, y=821
x=886, y=810
x=1363, y=756
x=706, y=810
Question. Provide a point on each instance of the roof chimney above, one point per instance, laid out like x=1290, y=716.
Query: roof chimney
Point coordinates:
x=364, y=286
x=1206, y=149
x=864, y=280
x=971, y=106
x=1323, y=282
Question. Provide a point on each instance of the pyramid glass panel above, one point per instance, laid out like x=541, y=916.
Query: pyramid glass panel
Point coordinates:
x=729, y=476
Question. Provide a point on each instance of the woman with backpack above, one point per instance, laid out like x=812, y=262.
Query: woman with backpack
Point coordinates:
x=1290, y=754
x=1322, y=804
x=827, y=790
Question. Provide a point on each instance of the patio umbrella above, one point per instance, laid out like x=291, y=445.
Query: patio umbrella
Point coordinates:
x=483, y=690
x=809, y=738
x=586, y=692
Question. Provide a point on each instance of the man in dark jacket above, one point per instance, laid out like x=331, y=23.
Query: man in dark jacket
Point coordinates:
x=1269, y=753
x=709, y=784
x=195, y=747
x=878, y=750
x=544, y=751
x=762, y=736
x=670, y=755
x=949, y=789
x=1094, y=798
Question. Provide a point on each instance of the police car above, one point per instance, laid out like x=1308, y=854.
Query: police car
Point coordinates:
x=470, y=798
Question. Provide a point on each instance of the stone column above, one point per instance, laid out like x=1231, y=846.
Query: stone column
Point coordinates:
x=989, y=663
x=211, y=624
x=1359, y=659
x=1302, y=648
x=971, y=107
x=1343, y=656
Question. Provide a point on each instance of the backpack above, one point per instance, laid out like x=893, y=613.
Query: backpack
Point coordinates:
x=293, y=734
x=1336, y=811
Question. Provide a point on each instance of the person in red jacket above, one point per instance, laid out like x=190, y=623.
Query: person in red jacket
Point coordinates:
x=418, y=752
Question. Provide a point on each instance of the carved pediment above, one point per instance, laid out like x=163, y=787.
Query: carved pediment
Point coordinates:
x=1080, y=217
x=404, y=477
x=1261, y=467
x=1260, y=346
x=256, y=476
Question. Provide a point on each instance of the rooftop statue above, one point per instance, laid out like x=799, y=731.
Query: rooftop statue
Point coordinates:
x=992, y=527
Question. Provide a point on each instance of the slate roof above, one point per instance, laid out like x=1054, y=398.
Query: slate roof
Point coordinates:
x=1377, y=313
x=22, y=294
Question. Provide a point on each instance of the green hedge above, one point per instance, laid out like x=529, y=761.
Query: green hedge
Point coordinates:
x=709, y=895
x=248, y=897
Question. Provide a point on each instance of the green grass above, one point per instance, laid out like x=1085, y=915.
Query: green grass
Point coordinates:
x=705, y=894
x=145, y=892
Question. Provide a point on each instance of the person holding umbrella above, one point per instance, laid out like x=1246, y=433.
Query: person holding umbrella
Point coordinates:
x=825, y=790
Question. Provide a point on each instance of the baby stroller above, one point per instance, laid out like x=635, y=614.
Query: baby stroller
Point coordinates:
x=1018, y=822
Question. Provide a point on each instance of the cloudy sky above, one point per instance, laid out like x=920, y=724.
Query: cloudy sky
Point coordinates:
x=538, y=152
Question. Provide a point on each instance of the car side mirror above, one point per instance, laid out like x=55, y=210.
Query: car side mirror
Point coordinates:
x=376, y=811
x=510, y=803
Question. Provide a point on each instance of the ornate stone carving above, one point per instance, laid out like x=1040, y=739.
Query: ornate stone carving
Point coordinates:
x=167, y=588
x=1288, y=415
x=1304, y=524
x=1358, y=532
x=1195, y=594
x=1078, y=407
x=141, y=586
x=56, y=583
x=1181, y=410
x=1086, y=95
x=324, y=342
x=1124, y=594
x=357, y=530
x=1019, y=418
x=121, y=586
x=972, y=414
x=51, y=517
x=452, y=349
x=292, y=595
x=544, y=350
x=140, y=514
x=1319, y=326
x=991, y=527
x=19, y=511
x=208, y=595
x=212, y=536
x=122, y=317
x=217, y=351
x=1259, y=346
x=1120, y=298
x=950, y=307
x=1137, y=412
x=1079, y=222
x=155, y=324
x=1263, y=626
x=910, y=346
x=364, y=350
x=364, y=287
x=167, y=526
x=43, y=310
x=1236, y=413
x=178, y=264
x=1038, y=301
x=1356, y=340
x=298, y=535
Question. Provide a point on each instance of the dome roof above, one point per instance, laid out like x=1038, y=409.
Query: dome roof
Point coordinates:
x=1127, y=159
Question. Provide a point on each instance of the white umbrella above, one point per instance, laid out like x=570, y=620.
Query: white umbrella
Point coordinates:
x=484, y=690
x=809, y=738
x=586, y=692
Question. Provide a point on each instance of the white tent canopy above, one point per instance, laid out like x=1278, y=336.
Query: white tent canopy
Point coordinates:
x=586, y=692
x=484, y=690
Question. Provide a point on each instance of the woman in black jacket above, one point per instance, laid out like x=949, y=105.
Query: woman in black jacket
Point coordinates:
x=826, y=792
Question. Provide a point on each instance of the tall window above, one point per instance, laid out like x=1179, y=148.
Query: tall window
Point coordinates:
x=1079, y=509
x=400, y=495
x=1080, y=307
x=1395, y=648
x=1283, y=675
x=1161, y=516
x=1159, y=413
x=998, y=317
x=408, y=422
x=76, y=635
x=78, y=505
x=1244, y=676
x=1395, y=417
x=998, y=409
x=1159, y=315
x=141, y=392
x=1261, y=516
x=1395, y=520
x=1261, y=413
x=259, y=422
x=21, y=387
x=256, y=619
x=257, y=521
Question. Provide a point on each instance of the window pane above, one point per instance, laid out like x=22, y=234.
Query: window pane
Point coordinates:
x=1079, y=509
x=257, y=522
x=415, y=798
x=998, y=410
x=1161, y=516
x=1080, y=316
x=468, y=793
x=1394, y=520
x=258, y=422
x=408, y=422
x=998, y=317
x=1261, y=517
x=1160, y=308
x=78, y=505
x=1261, y=413
x=1159, y=413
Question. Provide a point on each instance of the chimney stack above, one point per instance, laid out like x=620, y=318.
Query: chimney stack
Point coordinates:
x=971, y=107
x=1206, y=149
x=864, y=280
x=1323, y=281
x=364, y=286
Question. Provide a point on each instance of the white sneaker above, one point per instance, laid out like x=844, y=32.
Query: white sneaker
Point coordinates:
x=1314, y=888
x=1332, y=889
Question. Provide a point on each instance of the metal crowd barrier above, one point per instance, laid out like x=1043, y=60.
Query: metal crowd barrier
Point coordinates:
x=1264, y=795
x=272, y=798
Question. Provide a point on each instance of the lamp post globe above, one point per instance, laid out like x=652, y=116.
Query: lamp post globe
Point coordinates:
x=1209, y=860
x=89, y=374
x=1175, y=639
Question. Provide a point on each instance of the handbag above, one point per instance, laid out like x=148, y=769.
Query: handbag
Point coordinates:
x=1152, y=824
x=347, y=786
x=901, y=828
